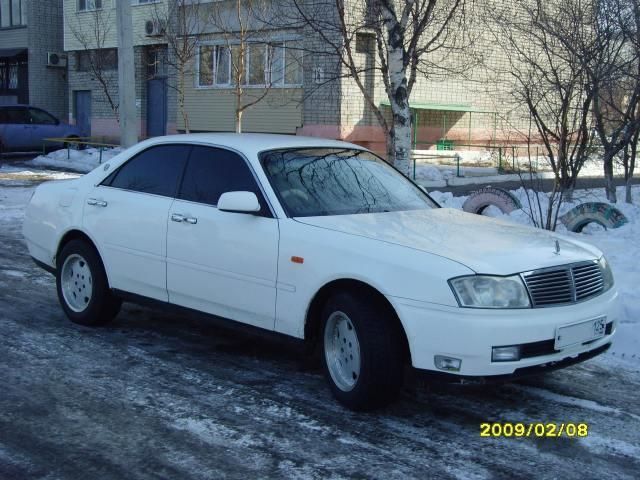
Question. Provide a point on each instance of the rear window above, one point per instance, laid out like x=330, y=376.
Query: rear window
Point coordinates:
x=156, y=170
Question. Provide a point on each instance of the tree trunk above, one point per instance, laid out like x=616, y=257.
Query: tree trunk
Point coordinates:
x=630, y=165
x=390, y=145
x=238, y=120
x=401, y=129
x=609, y=186
x=397, y=90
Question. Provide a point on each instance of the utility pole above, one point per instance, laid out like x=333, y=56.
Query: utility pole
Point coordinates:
x=126, y=75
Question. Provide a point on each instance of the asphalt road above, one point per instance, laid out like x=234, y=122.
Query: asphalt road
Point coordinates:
x=155, y=396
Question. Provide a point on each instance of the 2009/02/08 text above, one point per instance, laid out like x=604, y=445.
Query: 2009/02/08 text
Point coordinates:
x=534, y=429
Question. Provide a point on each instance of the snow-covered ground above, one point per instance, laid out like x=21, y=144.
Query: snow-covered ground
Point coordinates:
x=621, y=246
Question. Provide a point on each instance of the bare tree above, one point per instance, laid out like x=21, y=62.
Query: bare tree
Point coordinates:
x=99, y=61
x=546, y=74
x=411, y=39
x=249, y=57
x=614, y=74
x=181, y=23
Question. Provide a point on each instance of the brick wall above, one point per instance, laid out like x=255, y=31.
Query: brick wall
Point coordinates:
x=47, y=85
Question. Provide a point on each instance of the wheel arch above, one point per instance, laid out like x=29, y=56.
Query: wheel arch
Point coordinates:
x=77, y=234
x=313, y=318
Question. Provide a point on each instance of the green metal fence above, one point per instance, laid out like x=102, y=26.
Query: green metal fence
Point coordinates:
x=77, y=143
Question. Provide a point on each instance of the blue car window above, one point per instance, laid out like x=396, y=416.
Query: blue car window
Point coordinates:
x=40, y=117
x=18, y=116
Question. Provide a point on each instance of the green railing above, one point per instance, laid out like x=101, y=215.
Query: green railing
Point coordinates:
x=505, y=156
x=78, y=142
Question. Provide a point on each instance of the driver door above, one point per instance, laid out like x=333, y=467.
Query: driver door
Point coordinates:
x=221, y=263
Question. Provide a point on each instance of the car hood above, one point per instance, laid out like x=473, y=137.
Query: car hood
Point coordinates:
x=484, y=244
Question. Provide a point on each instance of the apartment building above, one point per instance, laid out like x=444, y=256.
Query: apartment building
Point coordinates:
x=90, y=42
x=32, y=63
x=284, y=71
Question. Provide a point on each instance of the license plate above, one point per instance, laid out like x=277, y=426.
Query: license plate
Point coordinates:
x=580, y=332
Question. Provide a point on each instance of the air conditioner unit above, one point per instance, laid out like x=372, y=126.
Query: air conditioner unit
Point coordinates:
x=154, y=28
x=56, y=59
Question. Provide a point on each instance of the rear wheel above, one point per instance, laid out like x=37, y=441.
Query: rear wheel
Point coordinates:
x=363, y=353
x=82, y=286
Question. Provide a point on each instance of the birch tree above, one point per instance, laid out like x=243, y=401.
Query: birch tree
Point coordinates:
x=412, y=39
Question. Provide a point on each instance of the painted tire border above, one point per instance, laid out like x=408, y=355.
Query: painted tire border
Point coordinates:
x=593, y=212
x=486, y=196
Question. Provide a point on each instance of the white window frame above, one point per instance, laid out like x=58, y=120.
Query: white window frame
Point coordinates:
x=267, y=71
x=90, y=5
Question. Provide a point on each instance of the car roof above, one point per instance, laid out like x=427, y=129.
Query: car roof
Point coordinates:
x=253, y=143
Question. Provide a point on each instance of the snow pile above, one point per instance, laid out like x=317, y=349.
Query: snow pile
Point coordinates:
x=428, y=173
x=621, y=246
x=77, y=160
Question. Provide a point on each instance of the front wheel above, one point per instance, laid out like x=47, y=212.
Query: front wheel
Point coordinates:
x=82, y=286
x=363, y=354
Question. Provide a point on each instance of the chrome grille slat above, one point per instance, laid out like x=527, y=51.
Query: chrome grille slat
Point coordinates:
x=564, y=285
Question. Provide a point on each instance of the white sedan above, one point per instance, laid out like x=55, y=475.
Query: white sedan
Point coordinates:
x=324, y=242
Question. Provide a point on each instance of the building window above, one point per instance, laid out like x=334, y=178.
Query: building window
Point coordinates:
x=85, y=5
x=277, y=64
x=156, y=62
x=13, y=13
x=97, y=60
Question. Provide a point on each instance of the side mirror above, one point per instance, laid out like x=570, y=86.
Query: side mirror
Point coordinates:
x=239, y=202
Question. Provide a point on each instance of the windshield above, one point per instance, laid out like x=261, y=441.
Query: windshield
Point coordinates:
x=331, y=181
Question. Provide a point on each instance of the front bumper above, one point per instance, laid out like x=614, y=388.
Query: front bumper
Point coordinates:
x=470, y=334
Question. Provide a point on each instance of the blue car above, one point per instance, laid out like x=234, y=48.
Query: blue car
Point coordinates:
x=23, y=128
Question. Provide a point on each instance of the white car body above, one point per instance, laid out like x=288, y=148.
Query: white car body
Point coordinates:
x=240, y=267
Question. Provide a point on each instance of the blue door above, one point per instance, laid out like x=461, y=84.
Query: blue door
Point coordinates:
x=82, y=111
x=156, y=107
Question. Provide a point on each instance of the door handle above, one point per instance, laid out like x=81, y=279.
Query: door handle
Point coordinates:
x=97, y=203
x=176, y=217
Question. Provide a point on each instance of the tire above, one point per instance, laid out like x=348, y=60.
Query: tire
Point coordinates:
x=88, y=300
x=376, y=379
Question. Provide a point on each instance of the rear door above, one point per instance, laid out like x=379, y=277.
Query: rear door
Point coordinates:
x=218, y=262
x=127, y=216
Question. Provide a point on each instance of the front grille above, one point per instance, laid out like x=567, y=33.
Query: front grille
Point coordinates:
x=566, y=284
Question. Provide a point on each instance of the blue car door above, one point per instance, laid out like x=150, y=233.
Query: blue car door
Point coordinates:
x=43, y=125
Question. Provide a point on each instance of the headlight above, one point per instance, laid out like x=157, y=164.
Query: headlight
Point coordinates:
x=607, y=274
x=484, y=291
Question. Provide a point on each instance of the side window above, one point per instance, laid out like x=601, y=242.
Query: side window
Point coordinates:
x=156, y=170
x=18, y=116
x=40, y=117
x=212, y=172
